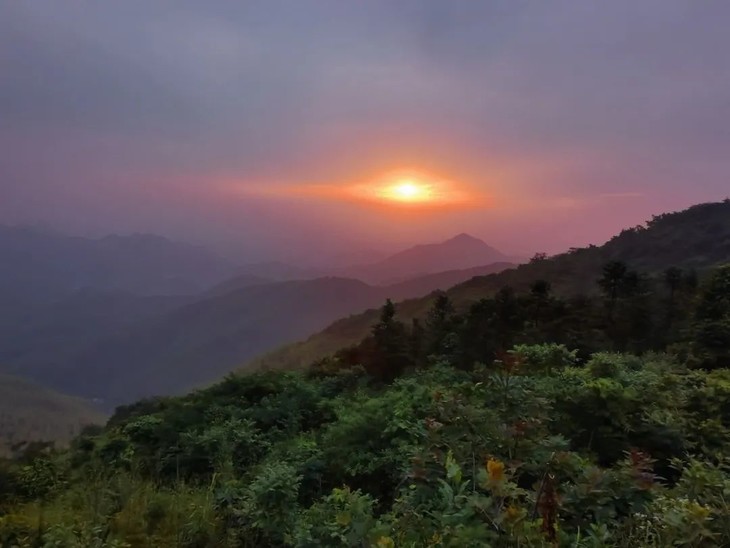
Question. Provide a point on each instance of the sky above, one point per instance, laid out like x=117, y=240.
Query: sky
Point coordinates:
x=261, y=126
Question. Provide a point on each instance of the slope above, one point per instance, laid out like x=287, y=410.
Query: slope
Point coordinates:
x=117, y=349
x=697, y=237
x=202, y=341
x=29, y=412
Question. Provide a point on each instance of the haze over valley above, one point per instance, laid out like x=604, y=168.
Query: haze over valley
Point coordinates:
x=115, y=332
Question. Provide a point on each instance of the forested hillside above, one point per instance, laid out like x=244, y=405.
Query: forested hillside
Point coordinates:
x=695, y=239
x=515, y=423
x=31, y=413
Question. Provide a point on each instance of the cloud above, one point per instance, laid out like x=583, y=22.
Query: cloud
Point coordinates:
x=111, y=106
x=621, y=195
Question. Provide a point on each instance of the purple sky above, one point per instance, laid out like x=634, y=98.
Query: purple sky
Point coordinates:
x=574, y=118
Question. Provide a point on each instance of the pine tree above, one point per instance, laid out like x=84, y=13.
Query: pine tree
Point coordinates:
x=712, y=321
x=390, y=345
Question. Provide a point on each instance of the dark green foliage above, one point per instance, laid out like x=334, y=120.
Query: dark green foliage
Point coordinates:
x=712, y=321
x=441, y=327
x=516, y=452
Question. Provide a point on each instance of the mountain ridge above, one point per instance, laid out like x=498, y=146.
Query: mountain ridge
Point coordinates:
x=697, y=237
x=42, y=265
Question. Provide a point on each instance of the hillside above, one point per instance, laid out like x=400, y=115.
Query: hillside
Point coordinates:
x=458, y=253
x=423, y=285
x=544, y=445
x=202, y=341
x=39, y=339
x=697, y=237
x=29, y=412
x=118, y=347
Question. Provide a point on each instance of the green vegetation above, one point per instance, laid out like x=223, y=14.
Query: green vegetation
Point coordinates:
x=524, y=419
x=30, y=413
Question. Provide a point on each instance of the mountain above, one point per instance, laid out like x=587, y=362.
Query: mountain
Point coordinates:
x=237, y=282
x=458, y=253
x=118, y=347
x=29, y=412
x=202, y=341
x=280, y=272
x=696, y=238
x=423, y=285
x=37, y=266
x=38, y=338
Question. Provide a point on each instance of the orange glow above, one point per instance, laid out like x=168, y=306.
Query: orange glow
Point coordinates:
x=412, y=189
x=400, y=189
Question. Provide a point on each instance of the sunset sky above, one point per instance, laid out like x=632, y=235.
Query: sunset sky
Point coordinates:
x=268, y=125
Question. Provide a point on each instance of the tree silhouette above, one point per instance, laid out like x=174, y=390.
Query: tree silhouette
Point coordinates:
x=712, y=321
x=390, y=344
x=440, y=325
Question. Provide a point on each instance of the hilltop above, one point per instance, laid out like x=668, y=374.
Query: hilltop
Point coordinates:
x=458, y=253
x=695, y=238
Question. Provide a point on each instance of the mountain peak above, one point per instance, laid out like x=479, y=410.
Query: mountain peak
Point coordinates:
x=460, y=252
x=463, y=237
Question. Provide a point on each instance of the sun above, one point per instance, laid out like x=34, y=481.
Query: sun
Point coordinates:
x=413, y=190
x=407, y=190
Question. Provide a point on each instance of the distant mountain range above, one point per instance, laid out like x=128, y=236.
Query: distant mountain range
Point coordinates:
x=696, y=238
x=37, y=266
x=118, y=345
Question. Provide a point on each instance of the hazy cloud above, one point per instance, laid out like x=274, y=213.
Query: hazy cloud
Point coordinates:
x=127, y=116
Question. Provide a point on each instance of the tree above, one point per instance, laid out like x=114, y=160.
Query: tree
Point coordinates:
x=673, y=280
x=417, y=341
x=441, y=323
x=390, y=345
x=712, y=321
x=478, y=337
x=626, y=293
x=540, y=296
x=508, y=317
x=612, y=280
